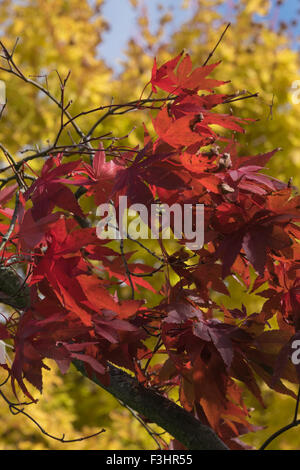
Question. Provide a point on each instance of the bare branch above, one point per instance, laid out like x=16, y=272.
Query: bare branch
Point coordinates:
x=14, y=409
x=214, y=49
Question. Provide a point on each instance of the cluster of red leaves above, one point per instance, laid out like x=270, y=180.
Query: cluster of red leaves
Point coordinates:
x=250, y=225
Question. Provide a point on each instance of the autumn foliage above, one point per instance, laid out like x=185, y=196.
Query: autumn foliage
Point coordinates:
x=69, y=303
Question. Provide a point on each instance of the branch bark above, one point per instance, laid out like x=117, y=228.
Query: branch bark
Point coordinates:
x=172, y=418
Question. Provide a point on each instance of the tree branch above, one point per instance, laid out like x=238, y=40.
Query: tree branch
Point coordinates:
x=182, y=425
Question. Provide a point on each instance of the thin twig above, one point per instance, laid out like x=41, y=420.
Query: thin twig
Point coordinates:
x=126, y=268
x=231, y=100
x=293, y=424
x=5, y=238
x=151, y=433
x=297, y=406
x=277, y=433
x=15, y=70
x=14, y=409
x=214, y=49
